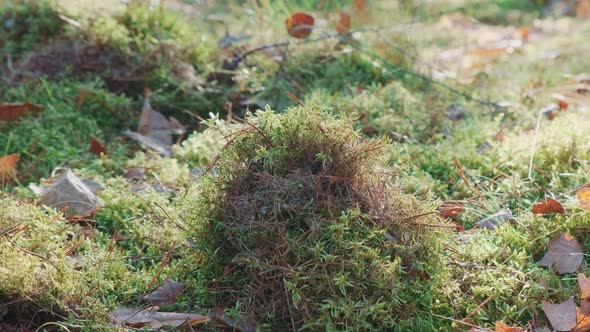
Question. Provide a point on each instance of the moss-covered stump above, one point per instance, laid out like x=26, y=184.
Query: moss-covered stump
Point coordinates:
x=303, y=229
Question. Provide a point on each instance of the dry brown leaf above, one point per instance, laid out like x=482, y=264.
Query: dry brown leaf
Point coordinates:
x=562, y=316
x=584, y=198
x=72, y=195
x=344, y=23
x=165, y=294
x=564, y=254
x=503, y=327
x=151, y=317
x=13, y=111
x=299, y=25
x=450, y=209
x=155, y=125
x=97, y=147
x=548, y=206
x=8, y=164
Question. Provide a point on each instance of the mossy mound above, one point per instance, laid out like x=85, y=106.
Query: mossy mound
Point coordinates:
x=304, y=230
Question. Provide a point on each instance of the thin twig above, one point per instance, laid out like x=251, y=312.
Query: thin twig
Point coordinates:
x=489, y=298
x=36, y=255
x=466, y=180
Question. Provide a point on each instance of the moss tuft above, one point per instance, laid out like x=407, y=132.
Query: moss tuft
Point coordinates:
x=303, y=230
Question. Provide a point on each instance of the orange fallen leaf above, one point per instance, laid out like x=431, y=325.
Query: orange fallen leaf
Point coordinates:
x=582, y=321
x=360, y=5
x=343, y=23
x=13, y=111
x=299, y=25
x=561, y=102
x=583, y=9
x=97, y=147
x=564, y=254
x=562, y=316
x=503, y=327
x=584, y=283
x=548, y=206
x=450, y=209
x=490, y=51
x=8, y=164
x=524, y=33
x=584, y=198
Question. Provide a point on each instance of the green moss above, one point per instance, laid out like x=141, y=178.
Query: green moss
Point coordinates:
x=59, y=134
x=26, y=24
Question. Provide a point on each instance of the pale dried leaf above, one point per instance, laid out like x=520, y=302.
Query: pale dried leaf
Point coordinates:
x=562, y=316
x=494, y=221
x=564, y=254
x=151, y=317
x=71, y=194
x=149, y=143
x=155, y=125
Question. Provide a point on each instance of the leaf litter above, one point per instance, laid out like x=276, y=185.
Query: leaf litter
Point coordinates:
x=565, y=254
x=67, y=192
x=150, y=317
x=155, y=130
x=165, y=294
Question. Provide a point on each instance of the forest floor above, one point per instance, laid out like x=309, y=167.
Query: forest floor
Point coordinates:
x=295, y=165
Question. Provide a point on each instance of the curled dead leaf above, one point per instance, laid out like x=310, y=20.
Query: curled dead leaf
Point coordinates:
x=562, y=316
x=550, y=205
x=155, y=125
x=451, y=209
x=299, y=25
x=96, y=147
x=13, y=111
x=7, y=165
x=344, y=23
x=564, y=254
